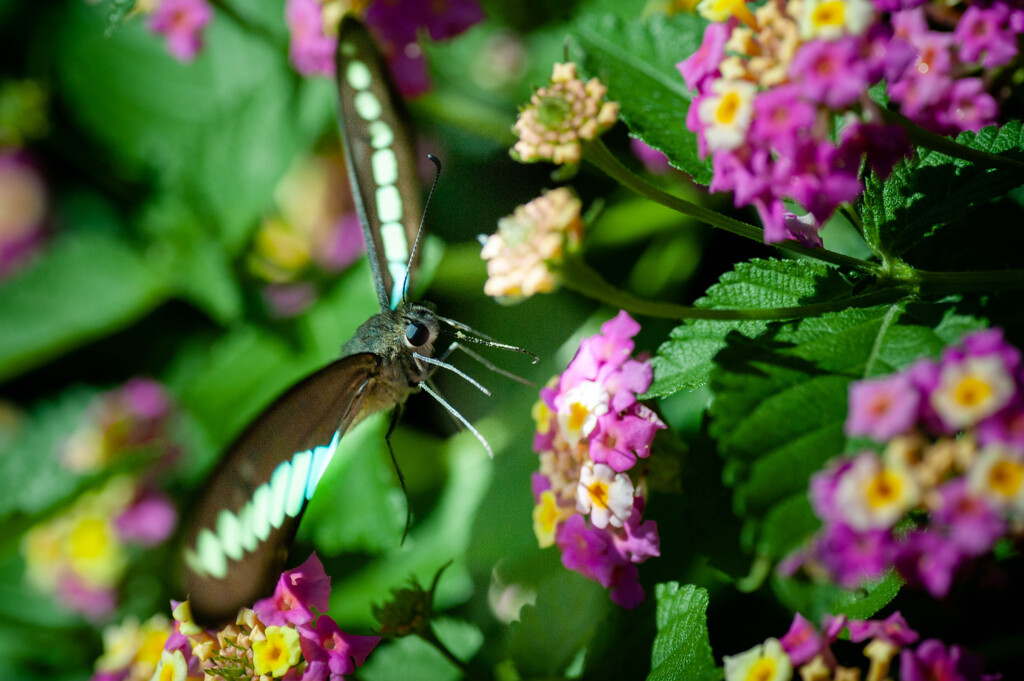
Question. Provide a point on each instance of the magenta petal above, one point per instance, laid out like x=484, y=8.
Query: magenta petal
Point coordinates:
x=585, y=550
x=639, y=540
x=882, y=408
x=626, y=591
x=316, y=670
x=802, y=642
x=149, y=520
x=298, y=591
x=93, y=602
x=893, y=629
x=326, y=642
x=311, y=583
x=621, y=327
x=540, y=484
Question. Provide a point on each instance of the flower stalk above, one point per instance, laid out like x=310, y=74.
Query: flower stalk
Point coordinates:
x=600, y=157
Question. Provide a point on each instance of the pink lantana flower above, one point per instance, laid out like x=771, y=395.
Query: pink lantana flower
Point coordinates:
x=591, y=433
x=297, y=594
x=882, y=408
x=328, y=644
x=181, y=22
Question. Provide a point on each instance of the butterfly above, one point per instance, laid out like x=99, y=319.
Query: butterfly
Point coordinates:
x=239, y=535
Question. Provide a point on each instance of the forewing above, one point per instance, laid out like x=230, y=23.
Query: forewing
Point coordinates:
x=246, y=517
x=381, y=156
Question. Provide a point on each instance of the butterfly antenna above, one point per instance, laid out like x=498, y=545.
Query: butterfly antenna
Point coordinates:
x=423, y=218
x=460, y=417
x=461, y=331
x=491, y=366
x=459, y=372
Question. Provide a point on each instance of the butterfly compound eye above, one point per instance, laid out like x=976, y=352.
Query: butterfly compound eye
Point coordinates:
x=417, y=334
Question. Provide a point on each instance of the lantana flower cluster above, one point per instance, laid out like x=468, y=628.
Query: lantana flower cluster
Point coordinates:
x=313, y=234
x=561, y=116
x=23, y=209
x=81, y=554
x=591, y=435
x=806, y=650
x=953, y=458
x=285, y=636
x=771, y=83
x=397, y=24
x=529, y=244
x=180, y=22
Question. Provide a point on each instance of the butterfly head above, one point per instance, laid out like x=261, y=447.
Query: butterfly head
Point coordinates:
x=417, y=327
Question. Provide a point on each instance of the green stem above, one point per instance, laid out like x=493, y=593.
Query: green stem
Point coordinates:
x=930, y=140
x=940, y=283
x=599, y=155
x=579, y=277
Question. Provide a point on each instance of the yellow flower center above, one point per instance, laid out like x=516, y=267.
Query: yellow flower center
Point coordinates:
x=89, y=539
x=763, y=670
x=577, y=415
x=152, y=647
x=728, y=108
x=548, y=513
x=1006, y=477
x=278, y=653
x=166, y=673
x=542, y=417
x=829, y=14
x=884, y=489
x=599, y=493
x=972, y=391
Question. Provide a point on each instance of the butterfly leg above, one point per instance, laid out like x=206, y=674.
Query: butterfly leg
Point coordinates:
x=395, y=416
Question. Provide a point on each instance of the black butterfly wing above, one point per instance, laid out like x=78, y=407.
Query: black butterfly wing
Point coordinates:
x=381, y=158
x=246, y=517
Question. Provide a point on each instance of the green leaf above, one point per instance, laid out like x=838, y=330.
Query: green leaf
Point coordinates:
x=440, y=537
x=637, y=61
x=814, y=599
x=119, y=9
x=933, y=190
x=364, y=509
x=685, y=360
x=780, y=400
x=87, y=285
x=219, y=131
x=395, y=659
x=225, y=384
x=563, y=621
x=201, y=269
x=32, y=478
x=681, y=650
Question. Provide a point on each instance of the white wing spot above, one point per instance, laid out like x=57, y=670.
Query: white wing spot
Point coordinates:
x=395, y=247
x=321, y=457
x=260, y=517
x=381, y=135
x=211, y=555
x=389, y=204
x=278, y=493
x=229, y=534
x=297, y=487
x=358, y=75
x=367, y=105
x=385, y=167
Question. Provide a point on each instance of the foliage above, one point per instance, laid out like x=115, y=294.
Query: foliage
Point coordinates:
x=161, y=176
